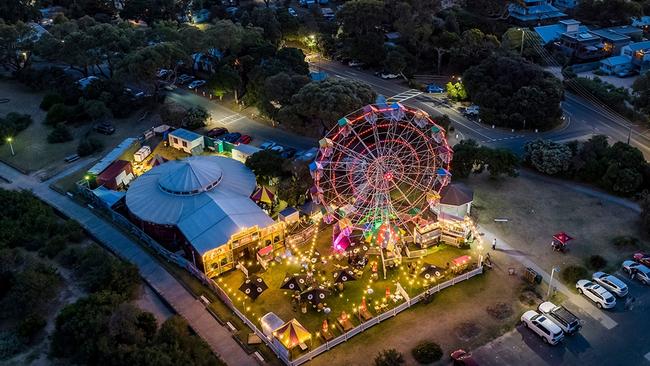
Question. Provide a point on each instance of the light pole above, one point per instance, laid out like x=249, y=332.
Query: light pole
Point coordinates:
x=523, y=37
x=550, y=283
x=11, y=146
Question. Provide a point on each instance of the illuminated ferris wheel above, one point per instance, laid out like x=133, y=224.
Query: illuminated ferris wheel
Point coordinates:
x=381, y=165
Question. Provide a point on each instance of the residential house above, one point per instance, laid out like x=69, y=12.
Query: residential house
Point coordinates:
x=552, y=32
x=565, y=5
x=642, y=23
x=616, y=65
x=640, y=54
x=534, y=11
x=580, y=45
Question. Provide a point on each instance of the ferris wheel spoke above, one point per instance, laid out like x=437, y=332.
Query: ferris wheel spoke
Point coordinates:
x=351, y=152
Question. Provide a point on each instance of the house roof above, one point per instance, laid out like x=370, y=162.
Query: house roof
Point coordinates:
x=641, y=22
x=186, y=135
x=113, y=170
x=209, y=215
x=637, y=46
x=610, y=35
x=288, y=211
x=113, y=155
x=456, y=194
x=616, y=60
x=549, y=33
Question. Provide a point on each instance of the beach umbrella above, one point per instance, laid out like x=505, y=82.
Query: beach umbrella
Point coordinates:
x=294, y=283
x=291, y=334
x=315, y=295
x=263, y=194
x=430, y=271
x=344, y=275
x=253, y=287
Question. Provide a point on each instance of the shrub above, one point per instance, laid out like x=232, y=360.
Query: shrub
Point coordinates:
x=30, y=326
x=625, y=242
x=58, y=113
x=547, y=156
x=59, y=134
x=596, y=262
x=572, y=274
x=13, y=123
x=389, y=357
x=9, y=345
x=427, y=352
x=51, y=99
x=53, y=246
x=89, y=146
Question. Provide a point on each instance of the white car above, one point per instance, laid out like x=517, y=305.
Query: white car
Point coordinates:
x=596, y=293
x=638, y=271
x=267, y=145
x=292, y=12
x=277, y=148
x=196, y=84
x=355, y=63
x=388, y=75
x=611, y=283
x=543, y=326
x=162, y=73
x=184, y=79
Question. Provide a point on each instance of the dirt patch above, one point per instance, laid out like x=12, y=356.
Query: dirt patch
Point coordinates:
x=500, y=310
x=467, y=331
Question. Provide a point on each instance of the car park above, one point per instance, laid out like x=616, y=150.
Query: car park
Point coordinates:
x=267, y=145
x=184, y=79
x=292, y=12
x=642, y=258
x=434, y=88
x=638, y=271
x=196, y=84
x=543, y=326
x=566, y=320
x=216, y=132
x=596, y=293
x=245, y=139
x=288, y=153
x=105, y=128
x=611, y=283
x=463, y=358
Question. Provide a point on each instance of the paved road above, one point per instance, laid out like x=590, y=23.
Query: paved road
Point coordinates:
x=183, y=302
x=584, y=119
x=237, y=122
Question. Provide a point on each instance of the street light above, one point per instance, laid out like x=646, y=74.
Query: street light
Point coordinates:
x=11, y=146
x=550, y=283
x=523, y=37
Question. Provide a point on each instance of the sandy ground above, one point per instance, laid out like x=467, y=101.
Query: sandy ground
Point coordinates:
x=536, y=210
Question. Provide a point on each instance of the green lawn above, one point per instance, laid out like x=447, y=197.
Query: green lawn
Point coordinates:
x=278, y=300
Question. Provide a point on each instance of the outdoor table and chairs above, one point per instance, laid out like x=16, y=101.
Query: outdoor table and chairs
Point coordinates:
x=344, y=321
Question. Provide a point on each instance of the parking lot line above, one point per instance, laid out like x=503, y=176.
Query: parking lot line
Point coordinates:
x=230, y=119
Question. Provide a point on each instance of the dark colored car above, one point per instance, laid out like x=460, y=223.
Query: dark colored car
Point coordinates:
x=245, y=139
x=463, y=358
x=642, y=258
x=231, y=137
x=216, y=132
x=105, y=128
x=288, y=153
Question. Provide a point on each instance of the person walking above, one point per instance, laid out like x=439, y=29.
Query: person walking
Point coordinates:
x=494, y=244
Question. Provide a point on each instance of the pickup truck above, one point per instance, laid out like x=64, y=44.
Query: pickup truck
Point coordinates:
x=566, y=320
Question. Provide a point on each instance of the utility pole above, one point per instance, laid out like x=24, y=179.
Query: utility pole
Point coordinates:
x=629, y=133
x=550, y=284
x=523, y=38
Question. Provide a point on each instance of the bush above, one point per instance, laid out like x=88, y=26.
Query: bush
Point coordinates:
x=572, y=274
x=9, y=345
x=30, y=326
x=51, y=99
x=13, y=123
x=59, y=134
x=626, y=242
x=547, y=156
x=53, y=246
x=389, y=357
x=596, y=262
x=427, y=352
x=89, y=146
x=58, y=113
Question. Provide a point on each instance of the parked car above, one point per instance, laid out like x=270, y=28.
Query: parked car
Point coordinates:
x=638, y=271
x=611, y=283
x=355, y=63
x=245, y=139
x=105, y=128
x=472, y=110
x=288, y=153
x=463, y=358
x=434, y=88
x=163, y=73
x=71, y=158
x=596, y=293
x=307, y=155
x=277, y=148
x=184, y=79
x=386, y=75
x=267, y=145
x=216, y=132
x=231, y=137
x=566, y=320
x=196, y=84
x=642, y=258
x=540, y=324
x=292, y=12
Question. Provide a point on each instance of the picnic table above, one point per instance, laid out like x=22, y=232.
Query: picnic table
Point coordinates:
x=344, y=322
x=365, y=314
x=327, y=335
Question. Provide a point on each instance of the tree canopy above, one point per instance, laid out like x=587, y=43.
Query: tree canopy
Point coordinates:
x=514, y=93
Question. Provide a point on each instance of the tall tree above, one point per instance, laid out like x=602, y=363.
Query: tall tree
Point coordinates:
x=16, y=44
x=142, y=64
